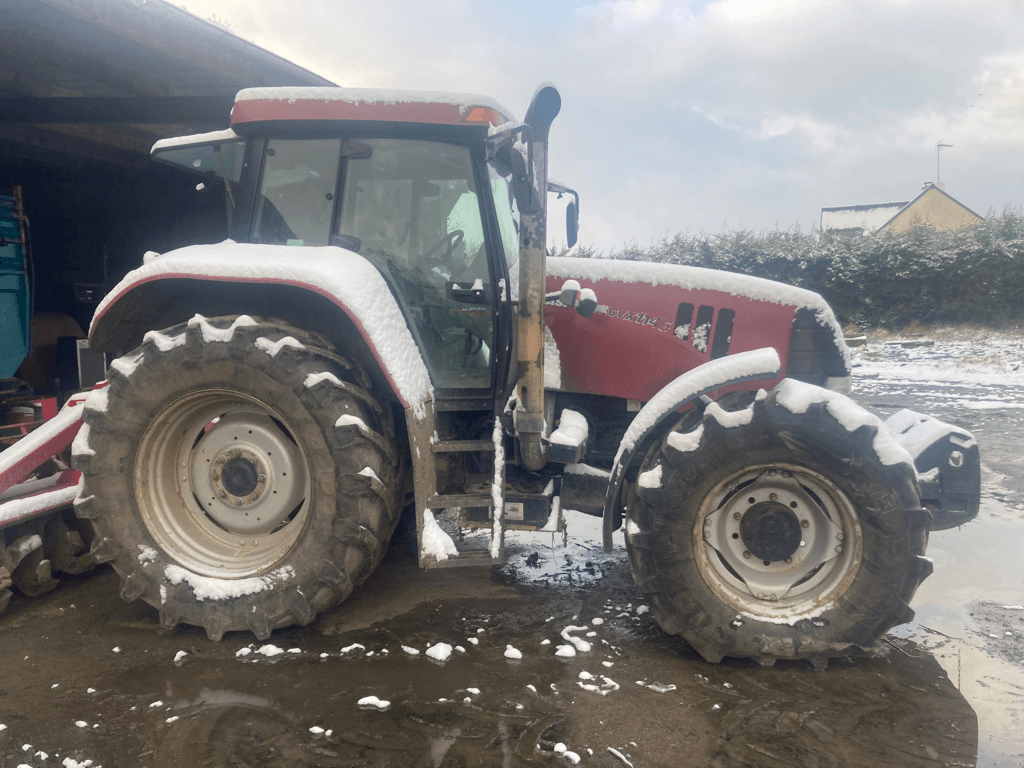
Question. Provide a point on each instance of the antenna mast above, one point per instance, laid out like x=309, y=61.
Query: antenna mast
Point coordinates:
x=938, y=154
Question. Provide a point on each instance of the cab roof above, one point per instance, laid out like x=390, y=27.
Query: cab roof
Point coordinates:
x=257, y=105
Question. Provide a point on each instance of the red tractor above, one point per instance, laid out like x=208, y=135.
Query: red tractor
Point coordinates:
x=384, y=330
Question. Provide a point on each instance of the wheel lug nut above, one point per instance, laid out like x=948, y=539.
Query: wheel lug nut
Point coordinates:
x=839, y=547
x=773, y=496
x=737, y=516
x=746, y=555
x=789, y=559
x=805, y=524
x=839, y=536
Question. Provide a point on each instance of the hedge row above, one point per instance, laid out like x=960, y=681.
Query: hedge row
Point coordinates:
x=975, y=274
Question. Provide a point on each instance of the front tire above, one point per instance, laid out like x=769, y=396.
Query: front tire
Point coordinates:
x=778, y=531
x=238, y=475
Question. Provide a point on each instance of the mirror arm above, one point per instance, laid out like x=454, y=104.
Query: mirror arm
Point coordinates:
x=497, y=140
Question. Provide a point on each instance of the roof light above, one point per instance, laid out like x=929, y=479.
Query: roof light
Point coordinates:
x=483, y=115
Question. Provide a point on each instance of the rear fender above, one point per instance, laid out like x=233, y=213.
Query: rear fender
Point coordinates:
x=327, y=290
x=756, y=365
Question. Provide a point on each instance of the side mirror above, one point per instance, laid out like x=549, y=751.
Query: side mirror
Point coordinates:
x=572, y=211
x=583, y=301
x=572, y=224
x=570, y=293
x=588, y=302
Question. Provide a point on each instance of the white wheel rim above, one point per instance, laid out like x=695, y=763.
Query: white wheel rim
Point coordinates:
x=778, y=542
x=221, y=485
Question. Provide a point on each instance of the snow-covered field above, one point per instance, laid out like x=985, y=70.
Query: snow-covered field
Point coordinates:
x=980, y=357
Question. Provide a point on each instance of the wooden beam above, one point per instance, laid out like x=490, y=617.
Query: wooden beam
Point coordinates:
x=127, y=110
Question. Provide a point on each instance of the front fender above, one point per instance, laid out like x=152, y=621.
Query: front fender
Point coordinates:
x=327, y=290
x=758, y=364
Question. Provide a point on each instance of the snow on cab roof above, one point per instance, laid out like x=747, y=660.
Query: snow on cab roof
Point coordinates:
x=375, y=104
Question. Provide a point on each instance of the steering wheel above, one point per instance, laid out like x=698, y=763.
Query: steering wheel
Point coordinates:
x=449, y=242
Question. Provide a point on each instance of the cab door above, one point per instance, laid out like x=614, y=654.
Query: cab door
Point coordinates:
x=413, y=208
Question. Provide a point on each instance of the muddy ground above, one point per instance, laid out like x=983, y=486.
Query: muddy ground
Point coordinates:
x=87, y=677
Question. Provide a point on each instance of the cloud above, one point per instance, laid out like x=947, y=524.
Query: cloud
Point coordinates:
x=684, y=115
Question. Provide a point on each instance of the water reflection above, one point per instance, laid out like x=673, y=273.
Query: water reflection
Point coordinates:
x=899, y=709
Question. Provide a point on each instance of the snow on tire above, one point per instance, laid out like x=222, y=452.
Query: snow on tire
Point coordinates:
x=764, y=530
x=238, y=475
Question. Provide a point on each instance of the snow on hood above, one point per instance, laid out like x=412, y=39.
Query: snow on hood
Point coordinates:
x=341, y=275
x=699, y=278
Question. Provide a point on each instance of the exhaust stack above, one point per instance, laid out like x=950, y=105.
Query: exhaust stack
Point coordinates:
x=530, y=426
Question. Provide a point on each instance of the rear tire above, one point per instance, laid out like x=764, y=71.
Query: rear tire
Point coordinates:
x=238, y=475
x=767, y=534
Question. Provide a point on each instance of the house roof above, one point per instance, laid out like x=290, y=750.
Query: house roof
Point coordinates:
x=931, y=187
x=868, y=218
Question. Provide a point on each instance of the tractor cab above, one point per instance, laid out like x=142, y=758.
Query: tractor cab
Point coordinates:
x=423, y=186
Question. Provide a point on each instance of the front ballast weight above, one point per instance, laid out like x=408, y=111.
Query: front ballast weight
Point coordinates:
x=948, y=464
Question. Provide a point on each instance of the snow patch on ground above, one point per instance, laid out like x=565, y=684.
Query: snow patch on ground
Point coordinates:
x=372, y=702
x=440, y=652
x=548, y=558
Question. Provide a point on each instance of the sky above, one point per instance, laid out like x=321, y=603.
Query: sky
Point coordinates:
x=703, y=116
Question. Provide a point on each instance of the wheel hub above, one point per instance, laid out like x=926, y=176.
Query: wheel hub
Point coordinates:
x=246, y=473
x=239, y=476
x=770, y=531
